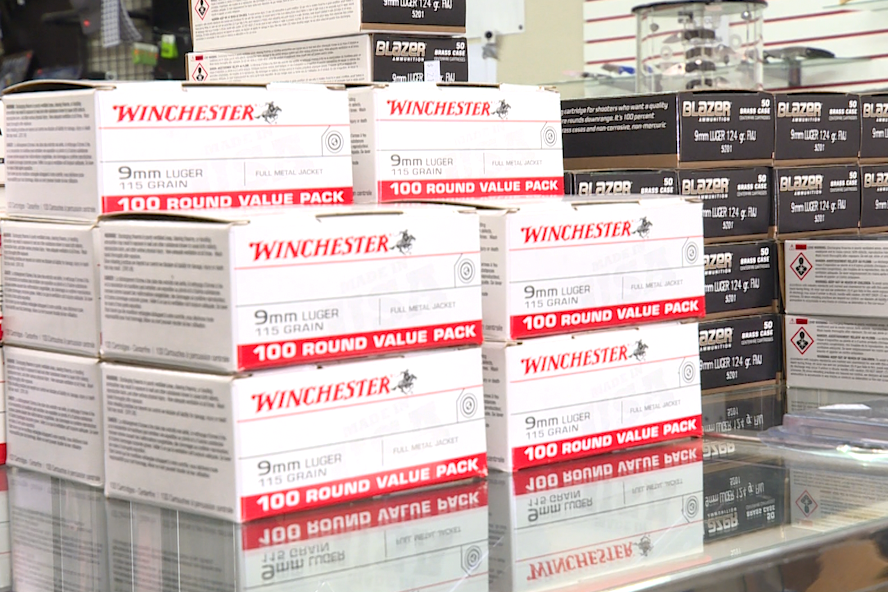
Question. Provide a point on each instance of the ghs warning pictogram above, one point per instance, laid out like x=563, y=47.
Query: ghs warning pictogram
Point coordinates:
x=801, y=267
x=802, y=340
x=200, y=74
x=806, y=504
x=202, y=7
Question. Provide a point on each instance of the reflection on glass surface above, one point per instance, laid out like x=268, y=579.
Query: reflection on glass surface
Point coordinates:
x=742, y=494
x=5, y=537
x=695, y=515
x=596, y=518
x=59, y=534
x=434, y=540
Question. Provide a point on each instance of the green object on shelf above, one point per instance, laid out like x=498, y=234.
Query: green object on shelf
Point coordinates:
x=168, y=48
x=145, y=54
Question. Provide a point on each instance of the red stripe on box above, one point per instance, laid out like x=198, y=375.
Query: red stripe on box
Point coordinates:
x=361, y=487
x=227, y=200
x=611, y=466
x=469, y=188
x=545, y=453
x=301, y=351
x=404, y=508
x=3, y=484
x=571, y=321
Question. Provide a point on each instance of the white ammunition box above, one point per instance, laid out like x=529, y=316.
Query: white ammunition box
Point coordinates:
x=249, y=447
x=566, y=397
x=440, y=142
x=354, y=59
x=54, y=414
x=224, y=24
x=164, y=146
x=560, y=267
x=834, y=353
x=51, y=297
x=279, y=289
x=837, y=277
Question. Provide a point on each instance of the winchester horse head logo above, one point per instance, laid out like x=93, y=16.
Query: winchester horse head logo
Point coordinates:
x=406, y=383
x=502, y=111
x=640, y=352
x=270, y=115
x=405, y=242
x=644, y=228
x=645, y=545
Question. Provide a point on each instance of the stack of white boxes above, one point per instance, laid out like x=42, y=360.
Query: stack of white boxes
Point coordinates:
x=227, y=292
x=2, y=213
x=121, y=149
x=353, y=41
x=836, y=320
x=585, y=349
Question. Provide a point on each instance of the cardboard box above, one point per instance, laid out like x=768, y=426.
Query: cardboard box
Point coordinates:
x=737, y=203
x=615, y=519
x=741, y=278
x=817, y=127
x=874, y=128
x=60, y=534
x=874, y=198
x=3, y=447
x=446, y=142
x=566, y=397
x=161, y=146
x=563, y=267
x=600, y=183
x=743, y=497
x=845, y=277
x=834, y=353
x=754, y=410
x=798, y=399
x=54, y=414
x=370, y=281
x=224, y=24
x=356, y=59
x=51, y=280
x=681, y=130
x=740, y=352
x=424, y=540
x=817, y=200
x=247, y=447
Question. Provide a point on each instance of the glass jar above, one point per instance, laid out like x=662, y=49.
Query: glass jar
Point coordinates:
x=699, y=45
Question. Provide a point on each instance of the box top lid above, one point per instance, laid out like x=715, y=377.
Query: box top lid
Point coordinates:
x=578, y=202
x=425, y=87
x=834, y=93
x=247, y=215
x=33, y=86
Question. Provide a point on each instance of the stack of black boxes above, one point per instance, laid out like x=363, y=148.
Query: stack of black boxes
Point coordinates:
x=718, y=147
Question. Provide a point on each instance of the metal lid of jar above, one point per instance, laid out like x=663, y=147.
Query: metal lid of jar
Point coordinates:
x=737, y=5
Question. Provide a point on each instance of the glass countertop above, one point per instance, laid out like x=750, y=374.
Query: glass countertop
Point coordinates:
x=710, y=514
